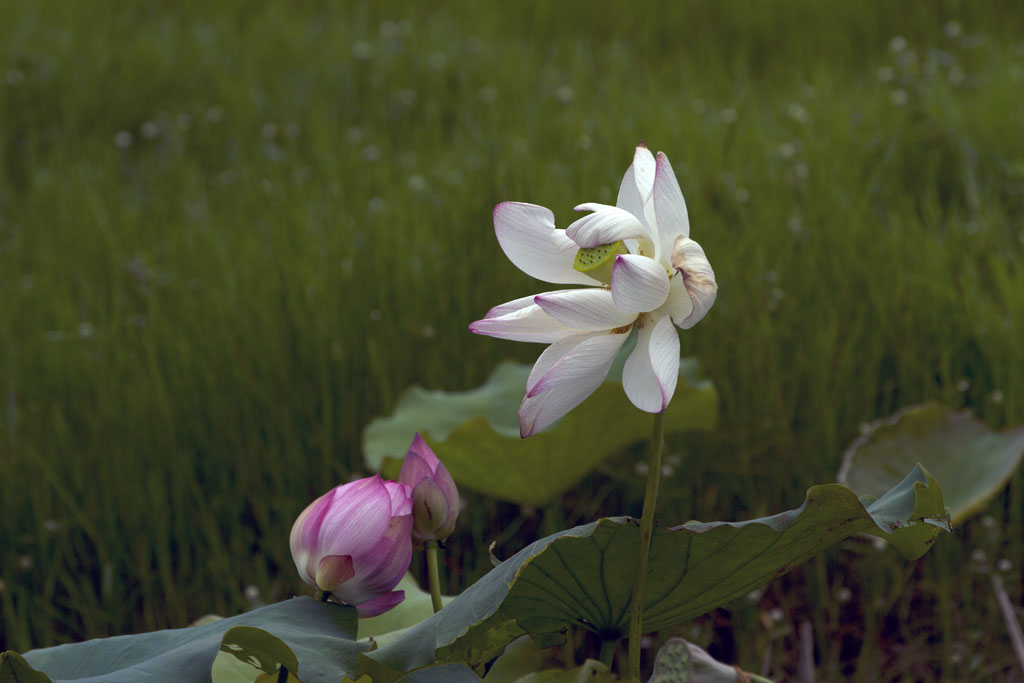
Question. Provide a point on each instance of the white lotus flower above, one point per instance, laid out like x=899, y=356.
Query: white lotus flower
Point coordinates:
x=645, y=273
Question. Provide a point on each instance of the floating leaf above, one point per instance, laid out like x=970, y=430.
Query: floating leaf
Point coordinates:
x=14, y=669
x=972, y=461
x=443, y=673
x=258, y=650
x=584, y=576
x=521, y=657
x=476, y=432
x=319, y=635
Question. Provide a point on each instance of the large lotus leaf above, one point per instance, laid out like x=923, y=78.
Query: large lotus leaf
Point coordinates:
x=416, y=607
x=321, y=637
x=584, y=576
x=476, y=432
x=972, y=461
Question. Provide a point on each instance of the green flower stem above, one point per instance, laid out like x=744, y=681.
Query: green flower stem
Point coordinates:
x=433, y=576
x=754, y=678
x=607, y=655
x=636, y=617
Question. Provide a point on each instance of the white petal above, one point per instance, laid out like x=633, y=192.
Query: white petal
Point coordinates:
x=639, y=284
x=669, y=208
x=678, y=305
x=698, y=277
x=553, y=354
x=527, y=235
x=652, y=369
x=518, y=322
x=606, y=225
x=637, y=184
x=568, y=382
x=588, y=310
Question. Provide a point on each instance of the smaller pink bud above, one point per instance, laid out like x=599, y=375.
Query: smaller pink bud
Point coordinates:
x=435, y=499
x=355, y=543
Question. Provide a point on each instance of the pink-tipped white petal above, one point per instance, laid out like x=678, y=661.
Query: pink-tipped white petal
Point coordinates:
x=553, y=354
x=380, y=605
x=527, y=235
x=698, y=279
x=678, y=305
x=568, y=382
x=669, y=207
x=639, y=284
x=510, y=307
x=587, y=310
x=607, y=224
x=650, y=374
x=637, y=184
x=529, y=324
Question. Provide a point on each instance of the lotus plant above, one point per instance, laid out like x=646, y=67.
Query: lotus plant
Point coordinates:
x=435, y=504
x=644, y=272
x=355, y=543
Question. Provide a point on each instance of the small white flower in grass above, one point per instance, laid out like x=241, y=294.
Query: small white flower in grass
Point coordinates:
x=644, y=272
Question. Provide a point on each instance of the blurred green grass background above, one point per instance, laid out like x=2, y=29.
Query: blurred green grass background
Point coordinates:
x=232, y=235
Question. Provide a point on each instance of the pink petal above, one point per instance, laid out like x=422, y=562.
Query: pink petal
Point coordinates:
x=431, y=512
x=304, y=535
x=698, y=278
x=639, y=284
x=384, y=565
x=414, y=469
x=333, y=571
x=637, y=184
x=528, y=323
x=669, y=208
x=380, y=604
x=607, y=224
x=527, y=235
x=569, y=381
x=423, y=450
x=650, y=374
x=588, y=310
x=358, y=516
x=444, y=480
x=401, y=497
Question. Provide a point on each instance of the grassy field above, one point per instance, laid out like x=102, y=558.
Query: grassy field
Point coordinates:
x=231, y=236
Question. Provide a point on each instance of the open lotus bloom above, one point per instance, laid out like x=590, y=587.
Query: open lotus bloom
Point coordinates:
x=435, y=499
x=644, y=272
x=355, y=543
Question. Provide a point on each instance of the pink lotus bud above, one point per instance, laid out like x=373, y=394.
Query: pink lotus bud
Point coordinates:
x=435, y=500
x=354, y=542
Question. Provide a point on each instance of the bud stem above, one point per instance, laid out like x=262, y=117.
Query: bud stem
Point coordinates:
x=636, y=617
x=433, y=575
